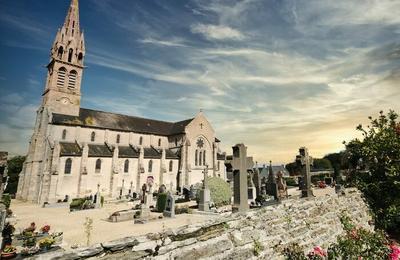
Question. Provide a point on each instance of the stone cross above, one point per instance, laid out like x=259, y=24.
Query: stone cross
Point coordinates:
x=240, y=164
x=305, y=161
x=205, y=175
x=205, y=194
x=98, y=198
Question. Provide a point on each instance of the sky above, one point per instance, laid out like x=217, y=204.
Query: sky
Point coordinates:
x=272, y=74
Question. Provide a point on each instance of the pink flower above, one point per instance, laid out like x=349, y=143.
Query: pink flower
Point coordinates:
x=317, y=251
x=354, y=234
x=395, y=254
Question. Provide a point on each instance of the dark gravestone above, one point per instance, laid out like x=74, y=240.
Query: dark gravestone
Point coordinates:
x=305, y=161
x=271, y=185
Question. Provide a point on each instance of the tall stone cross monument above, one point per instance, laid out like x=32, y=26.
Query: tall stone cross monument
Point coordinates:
x=241, y=164
x=305, y=161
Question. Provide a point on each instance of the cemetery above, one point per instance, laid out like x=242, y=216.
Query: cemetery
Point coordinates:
x=253, y=217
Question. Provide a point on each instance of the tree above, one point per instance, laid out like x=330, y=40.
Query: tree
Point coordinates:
x=322, y=164
x=14, y=166
x=375, y=168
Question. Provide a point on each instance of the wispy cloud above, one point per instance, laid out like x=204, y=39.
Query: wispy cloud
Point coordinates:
x=217, y=32
x=170, y=43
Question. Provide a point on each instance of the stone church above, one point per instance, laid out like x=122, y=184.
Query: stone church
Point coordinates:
x=75, y=151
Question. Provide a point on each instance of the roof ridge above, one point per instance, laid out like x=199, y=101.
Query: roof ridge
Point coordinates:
x=138, y=117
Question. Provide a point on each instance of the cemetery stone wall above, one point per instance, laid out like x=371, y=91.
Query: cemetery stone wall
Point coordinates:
x=256, y=234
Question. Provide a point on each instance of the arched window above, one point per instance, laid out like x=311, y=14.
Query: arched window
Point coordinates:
x=141, y=140
x=98, y=166
x=61, y=77
x=93, y=136
x=80, y=57
x=171, y=165
x=72, y=79
x=64, y=134
x=118, y=138
x=126, y=166
x=200, y=157
x=68, y=166
x=70, y=52
x=176, y=142
x=60, y=52
x=159, y=142
x=204, y=158
x=150, y=168
x=196, y=157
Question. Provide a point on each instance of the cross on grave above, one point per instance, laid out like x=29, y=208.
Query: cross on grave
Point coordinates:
x=240, y=164
x=205, y=195
x=305, y=161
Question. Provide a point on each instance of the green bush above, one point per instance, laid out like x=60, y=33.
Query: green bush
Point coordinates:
x=6, y=199
x=77, y=203
x=220, y=190
x=161, y=202
x=290, y=182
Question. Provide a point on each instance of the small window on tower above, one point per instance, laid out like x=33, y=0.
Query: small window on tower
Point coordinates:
x=61, y=77
x=72, y=79
x=60, y=52
x=159, y=142
x=118, y=138
x=140, y=140
x=70, y=52
x=73, y=24
x=93, y=136
x=80, y=57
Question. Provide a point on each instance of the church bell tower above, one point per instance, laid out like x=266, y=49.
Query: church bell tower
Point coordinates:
x=62, y=93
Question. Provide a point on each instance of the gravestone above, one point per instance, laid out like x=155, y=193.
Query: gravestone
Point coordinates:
x=170, y=206
x=205, y=194
x=257, y=181
x=282, y=187
x=252, y=191
x=305, y=161
x=240, y=165
x=271, y=185
x=97, y=203
x=328, y=181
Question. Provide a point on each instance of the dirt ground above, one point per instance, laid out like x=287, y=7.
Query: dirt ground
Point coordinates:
x=72, y=223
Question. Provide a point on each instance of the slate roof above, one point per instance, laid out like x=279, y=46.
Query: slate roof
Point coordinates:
x=151, y=153
x=70, y=149
x=127, y=152
x=99, y=150
x=170, y=155
x=112, y=121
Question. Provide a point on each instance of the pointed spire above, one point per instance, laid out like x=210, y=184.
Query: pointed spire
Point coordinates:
x=71, y=23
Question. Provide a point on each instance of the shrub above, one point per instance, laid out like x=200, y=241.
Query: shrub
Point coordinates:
x=77, y=203
x=161, y=202
x=6, y=199
x=220, y=190
x=291, y=182
x=182, y=210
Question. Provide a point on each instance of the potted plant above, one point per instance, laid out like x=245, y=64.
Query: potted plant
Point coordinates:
x=46, y=243
x=45, y=229
x=8, y=252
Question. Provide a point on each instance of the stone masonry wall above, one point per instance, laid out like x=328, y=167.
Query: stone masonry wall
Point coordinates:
x=263, y=232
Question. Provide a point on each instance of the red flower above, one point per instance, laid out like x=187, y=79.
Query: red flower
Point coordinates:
x=354, y=234
x=45, y=229
x=395, y=254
